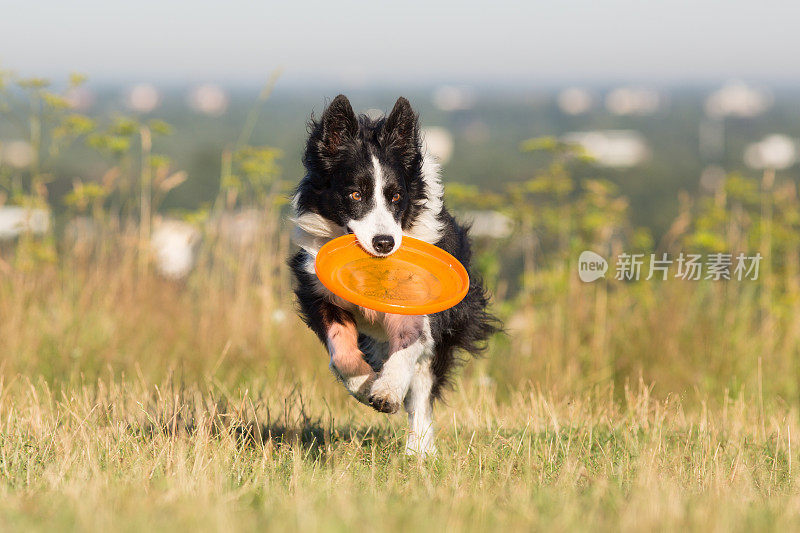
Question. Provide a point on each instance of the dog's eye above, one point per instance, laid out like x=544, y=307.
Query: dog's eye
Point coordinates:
x=355, y=195
x=396, y=197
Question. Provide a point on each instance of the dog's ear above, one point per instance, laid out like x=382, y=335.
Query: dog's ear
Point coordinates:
x=338, y=123
x=401, y=133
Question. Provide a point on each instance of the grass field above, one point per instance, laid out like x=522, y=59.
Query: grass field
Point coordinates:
x=128, y=403
x=136, y=455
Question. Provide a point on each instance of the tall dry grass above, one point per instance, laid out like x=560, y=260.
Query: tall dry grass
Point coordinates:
x=131, y=402
x=136, y=455
x=128, y=401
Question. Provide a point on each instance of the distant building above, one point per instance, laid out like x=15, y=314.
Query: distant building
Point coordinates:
x=633, y=101
x=209, y=100
x=174, y=245
x=574, y=101
x=16, y=220
x=774, y=151
x=487, y=223
x=453, y=98
x=374, y=113
x=738, y=100
x=612, y=148
x=438, y=142
x=142, y=98
x=17, y=153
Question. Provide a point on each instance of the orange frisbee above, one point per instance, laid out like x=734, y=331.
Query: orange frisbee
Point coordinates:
x=418, y=279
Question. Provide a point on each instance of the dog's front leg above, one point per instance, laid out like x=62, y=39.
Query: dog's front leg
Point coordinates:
x=409, y=340
x=347, y=360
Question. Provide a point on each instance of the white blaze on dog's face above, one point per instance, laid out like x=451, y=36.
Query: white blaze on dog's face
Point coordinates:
x=378, y=228
x=365, y=176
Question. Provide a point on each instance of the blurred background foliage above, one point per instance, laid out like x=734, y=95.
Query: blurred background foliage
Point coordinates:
x=167, y=235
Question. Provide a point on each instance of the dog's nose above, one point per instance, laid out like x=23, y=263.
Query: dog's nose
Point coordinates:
x=383, y=244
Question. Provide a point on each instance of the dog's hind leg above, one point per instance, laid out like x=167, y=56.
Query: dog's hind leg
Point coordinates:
x=419, y=406
x=409, y=341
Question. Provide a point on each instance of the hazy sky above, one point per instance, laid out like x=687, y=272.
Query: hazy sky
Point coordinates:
x=410, y=42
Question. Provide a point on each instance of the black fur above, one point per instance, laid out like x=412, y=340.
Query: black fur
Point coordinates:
x=466, y=326
x=338, y=161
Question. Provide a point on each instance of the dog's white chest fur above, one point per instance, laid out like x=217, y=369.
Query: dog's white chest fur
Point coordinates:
x=312, y=231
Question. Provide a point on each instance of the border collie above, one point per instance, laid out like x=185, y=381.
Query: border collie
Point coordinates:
x=370, y=177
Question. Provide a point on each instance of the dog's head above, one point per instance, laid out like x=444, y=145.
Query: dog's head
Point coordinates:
x=364, y=175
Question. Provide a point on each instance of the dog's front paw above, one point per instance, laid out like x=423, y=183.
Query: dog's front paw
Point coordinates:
x=358, y=386
x=384, y=398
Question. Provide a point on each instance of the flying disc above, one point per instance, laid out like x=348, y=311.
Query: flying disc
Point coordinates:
x=418, y=279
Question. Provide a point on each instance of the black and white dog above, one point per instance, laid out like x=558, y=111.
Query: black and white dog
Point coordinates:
x=371, y=177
